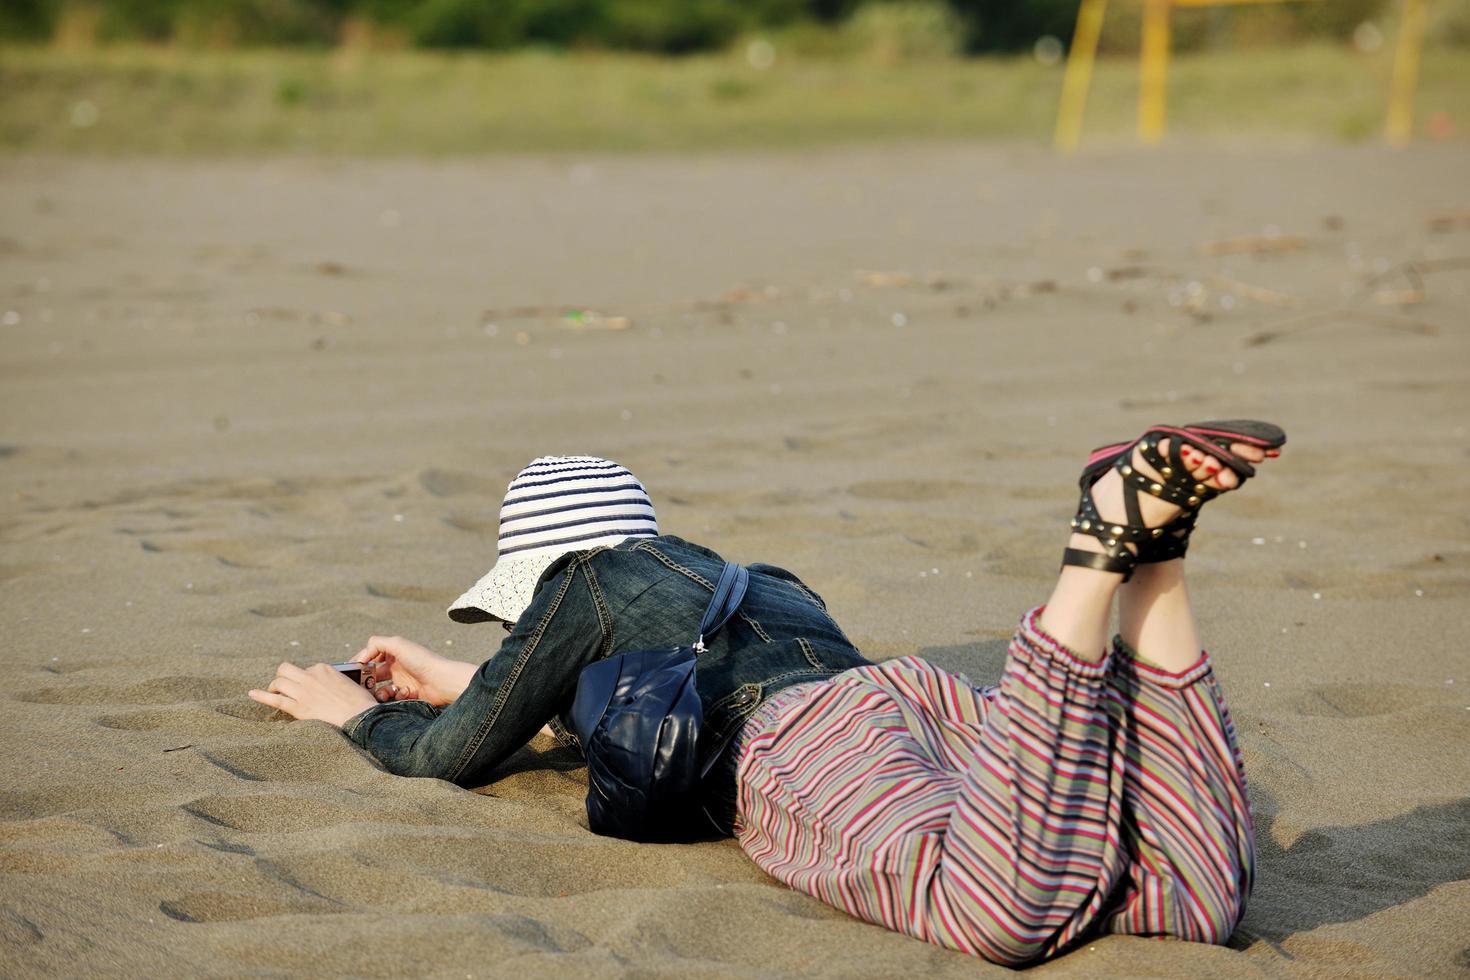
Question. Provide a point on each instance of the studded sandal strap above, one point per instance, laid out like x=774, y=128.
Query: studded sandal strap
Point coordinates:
x=1122, y=564
x=1175, y=486
x=1174, y=483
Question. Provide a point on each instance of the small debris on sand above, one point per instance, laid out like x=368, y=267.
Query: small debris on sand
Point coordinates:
x=1449, y=220
x=1254, y=245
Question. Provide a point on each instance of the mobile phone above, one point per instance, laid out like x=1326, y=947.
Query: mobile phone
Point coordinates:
x=351, y=671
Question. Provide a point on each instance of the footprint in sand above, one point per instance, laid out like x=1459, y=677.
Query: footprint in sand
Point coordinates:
x=17, y=930
x=162, y=690
x=546, y=937
x=913, y=491
x=518, y=865
x=269, y=813
x=250, y=710
x=452, y=483
x=230, y=552
x=285, y=610
x=405, y=593
x=191, y=719
x=233, y=907
x=475, y=525
x=289, y=760
x=32, y=862
x=1349, y=700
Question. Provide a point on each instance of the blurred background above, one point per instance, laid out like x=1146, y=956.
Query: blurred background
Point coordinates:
x=471, y=76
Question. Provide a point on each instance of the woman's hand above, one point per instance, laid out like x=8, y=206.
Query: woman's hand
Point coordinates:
x=395, y=669
x=318, y=693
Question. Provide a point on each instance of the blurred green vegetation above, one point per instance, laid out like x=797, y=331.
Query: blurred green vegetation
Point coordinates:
x=358, y=76
x=663, y=26
x=167, y=100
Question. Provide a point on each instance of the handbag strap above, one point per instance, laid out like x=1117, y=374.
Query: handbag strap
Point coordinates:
x=729, y=593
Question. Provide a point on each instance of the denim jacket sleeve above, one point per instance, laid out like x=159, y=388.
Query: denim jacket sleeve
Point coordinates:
x=531, y=679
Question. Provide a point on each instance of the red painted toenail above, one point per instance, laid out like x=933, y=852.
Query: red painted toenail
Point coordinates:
x=1273, y=453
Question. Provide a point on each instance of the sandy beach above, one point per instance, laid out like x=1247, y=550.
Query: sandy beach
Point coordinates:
x=258, y=410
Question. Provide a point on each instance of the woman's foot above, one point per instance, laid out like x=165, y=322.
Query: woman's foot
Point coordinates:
x=1138, y=506
x=1209, y=474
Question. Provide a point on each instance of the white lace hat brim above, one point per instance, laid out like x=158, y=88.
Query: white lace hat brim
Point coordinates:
x=504, y=592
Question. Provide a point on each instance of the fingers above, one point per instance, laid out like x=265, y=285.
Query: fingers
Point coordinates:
x=278, y=701
x=290, y=670
x=375, y=675
x=377, y=665
x=267, y=697
x=297, y=680
x=389, y=663
x=328, y=676
x=377, y=649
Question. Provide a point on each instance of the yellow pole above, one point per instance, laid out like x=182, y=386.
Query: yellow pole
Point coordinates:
x=1400, y=127
x=1079, y=75
x=1153, y=71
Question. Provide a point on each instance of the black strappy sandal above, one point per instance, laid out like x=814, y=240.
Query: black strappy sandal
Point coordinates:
x=1176, y=485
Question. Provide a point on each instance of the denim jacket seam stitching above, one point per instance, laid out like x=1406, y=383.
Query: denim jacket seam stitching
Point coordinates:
x=739, y=717
x=821, y=607
x=755, y=625
x=636, y=596
x=797, y=673
x=761, y=685
x=690, y=573
x=676, y=566
x=816, y=599
x=599, y=603
x=502, y=695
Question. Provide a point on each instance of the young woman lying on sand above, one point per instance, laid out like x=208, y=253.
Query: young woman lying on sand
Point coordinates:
x=1093, y=790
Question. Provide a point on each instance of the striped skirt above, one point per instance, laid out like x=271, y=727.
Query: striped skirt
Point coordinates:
x=1012, y=821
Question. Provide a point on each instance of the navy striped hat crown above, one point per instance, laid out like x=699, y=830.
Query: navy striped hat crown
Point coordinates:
x=555, y=505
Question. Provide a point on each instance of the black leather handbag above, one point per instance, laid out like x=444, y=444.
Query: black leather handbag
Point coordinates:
x=639, y=718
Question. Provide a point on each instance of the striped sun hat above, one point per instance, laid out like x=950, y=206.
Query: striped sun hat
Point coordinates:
x=555, y=505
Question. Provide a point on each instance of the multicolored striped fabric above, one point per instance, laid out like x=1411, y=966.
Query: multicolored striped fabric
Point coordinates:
x=1006, y=822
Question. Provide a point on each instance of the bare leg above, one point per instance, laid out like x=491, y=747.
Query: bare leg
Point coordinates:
x=1079, y=610
x=1155, y=617
x=1154, y=614
x=1189, y=832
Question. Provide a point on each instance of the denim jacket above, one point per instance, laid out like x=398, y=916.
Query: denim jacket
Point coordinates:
x=645, y=593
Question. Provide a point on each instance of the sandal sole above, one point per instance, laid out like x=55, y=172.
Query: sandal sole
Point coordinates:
x=1218, y=434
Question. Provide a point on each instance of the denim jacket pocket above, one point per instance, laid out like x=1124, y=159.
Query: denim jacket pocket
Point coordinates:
x=794, y=662
x=733, y=687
